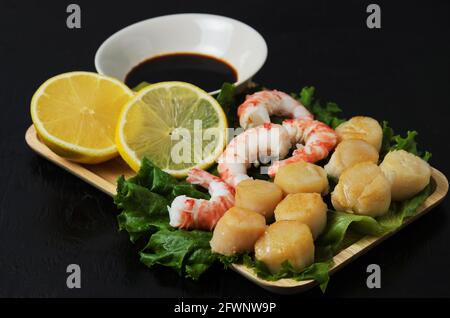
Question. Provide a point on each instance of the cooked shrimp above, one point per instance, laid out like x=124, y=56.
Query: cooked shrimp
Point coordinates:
x=258, y=107
x=190, y=213
x=318, y=139
x=252, y=146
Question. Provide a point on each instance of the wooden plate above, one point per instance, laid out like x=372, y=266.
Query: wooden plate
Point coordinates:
x=103, y=177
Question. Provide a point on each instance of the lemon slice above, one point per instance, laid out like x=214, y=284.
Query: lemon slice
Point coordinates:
x=76, y=113
x=176, y=125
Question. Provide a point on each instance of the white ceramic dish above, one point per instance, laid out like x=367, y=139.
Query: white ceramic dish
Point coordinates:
x=221, y=37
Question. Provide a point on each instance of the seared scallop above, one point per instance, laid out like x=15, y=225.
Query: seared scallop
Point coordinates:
x=307, y=208
x=407, y=173
x=302, y=177
x=237, y=231
x=288, y=240
x=362, y=189
x=361, y=127
x=259, y=196
x=348, y=153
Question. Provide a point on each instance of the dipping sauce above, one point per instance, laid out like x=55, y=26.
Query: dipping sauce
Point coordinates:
x=204, y=71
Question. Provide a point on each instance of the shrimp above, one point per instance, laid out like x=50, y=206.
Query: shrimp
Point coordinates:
x=318, y=138
x=252, y=146
x=190, y=213
x=258, y=108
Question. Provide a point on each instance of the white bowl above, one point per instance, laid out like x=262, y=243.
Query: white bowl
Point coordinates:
x=227, y=39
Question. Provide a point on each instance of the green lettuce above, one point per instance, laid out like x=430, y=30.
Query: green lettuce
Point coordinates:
x=400, y=211
x=228, y=260
x=327, y=113
x=187, y=252
x=317, y=271
x=226, y=99
x=143, y=200
x=388, y=135
x=396, y=142
x=306, y=96
x=143, y=210
x=157, y=181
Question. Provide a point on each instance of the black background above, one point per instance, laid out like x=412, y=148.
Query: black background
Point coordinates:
x=49, y=218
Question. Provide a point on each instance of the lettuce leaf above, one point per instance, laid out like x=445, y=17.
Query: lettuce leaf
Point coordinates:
x=396, y=142
x=317, y=271
x=327, y=114
x=187, y=252
x=338, y=223
x=137, y=223
x=388, y=135
x=132, y=196
x=226, y=99
x=227, y=260
x=143, y=210
x=400, y=211
x=306, y=96
x=144, y=199
x=407, y=143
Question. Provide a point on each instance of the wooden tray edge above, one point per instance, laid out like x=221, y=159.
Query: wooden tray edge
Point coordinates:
x=77, y=169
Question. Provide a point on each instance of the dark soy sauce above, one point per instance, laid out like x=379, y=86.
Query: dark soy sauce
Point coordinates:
x=206, y=72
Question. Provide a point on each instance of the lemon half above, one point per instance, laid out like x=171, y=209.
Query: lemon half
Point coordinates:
x=76, y=113
x=176, y=125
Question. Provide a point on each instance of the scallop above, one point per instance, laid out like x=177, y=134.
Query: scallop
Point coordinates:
x=237, y=231
x=307, y=208
x=302, y=177
x=361, y=127
x=362, y=189
x=407, y=173
x=288, y=240
x=259, y=196
x=348, y=153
